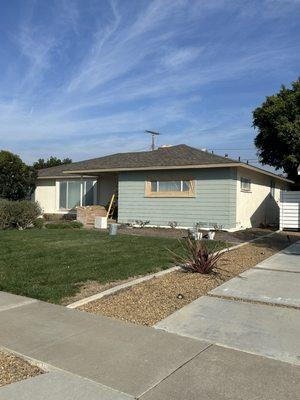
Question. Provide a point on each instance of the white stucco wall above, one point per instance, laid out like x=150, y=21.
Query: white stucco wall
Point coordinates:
x=257, y=206
x=45, y=195
x=47, y=192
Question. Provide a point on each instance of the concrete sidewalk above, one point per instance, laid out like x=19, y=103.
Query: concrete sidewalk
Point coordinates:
x=60, y=385
x=249, y=325
x=96, y=357
x=126, y=357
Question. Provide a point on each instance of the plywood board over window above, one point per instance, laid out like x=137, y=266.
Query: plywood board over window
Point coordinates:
x=170, y=187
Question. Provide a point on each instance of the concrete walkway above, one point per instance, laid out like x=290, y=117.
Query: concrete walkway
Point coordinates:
x=94, y=357
x=256, y=324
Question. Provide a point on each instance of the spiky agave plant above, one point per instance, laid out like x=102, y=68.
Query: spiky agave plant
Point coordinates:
x=197, y=256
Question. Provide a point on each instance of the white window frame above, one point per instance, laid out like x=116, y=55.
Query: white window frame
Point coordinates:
x=181, y=186
x=82, y=192
x=247, y=181
x=170, y=193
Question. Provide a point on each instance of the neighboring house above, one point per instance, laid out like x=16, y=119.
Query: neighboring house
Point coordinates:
x=174, y=183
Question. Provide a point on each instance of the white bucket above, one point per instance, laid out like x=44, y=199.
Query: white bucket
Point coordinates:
x=211, y=235
x=100, y=222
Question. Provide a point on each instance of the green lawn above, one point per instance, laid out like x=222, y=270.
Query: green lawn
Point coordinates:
x=52, y=264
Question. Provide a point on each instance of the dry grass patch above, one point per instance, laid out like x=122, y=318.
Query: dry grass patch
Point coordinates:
x=153, y=300
x=14, y=369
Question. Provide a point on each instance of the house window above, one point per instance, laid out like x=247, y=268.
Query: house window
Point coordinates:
x=170, y=188
x=272, y=188
x=245, y=185
x=76, y=193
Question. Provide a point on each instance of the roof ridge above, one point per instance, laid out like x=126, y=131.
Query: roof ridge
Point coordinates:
x=117, y=154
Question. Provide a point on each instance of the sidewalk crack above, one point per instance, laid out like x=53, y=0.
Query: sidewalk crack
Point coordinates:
x=173, y=372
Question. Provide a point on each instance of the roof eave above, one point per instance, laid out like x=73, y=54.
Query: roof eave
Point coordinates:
x=99, y=170
x=66, y=176
x=201, y=166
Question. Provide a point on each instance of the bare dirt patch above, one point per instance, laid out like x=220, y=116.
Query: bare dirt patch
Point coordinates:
x=229, y=237
x=153, y=300
x=90, y=288
x=14, y=369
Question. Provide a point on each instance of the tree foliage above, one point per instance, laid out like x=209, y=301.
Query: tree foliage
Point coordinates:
x=278, y=124
x=51, y=162
x=17, y=180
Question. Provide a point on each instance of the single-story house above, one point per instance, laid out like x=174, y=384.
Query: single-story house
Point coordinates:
x=173, y=183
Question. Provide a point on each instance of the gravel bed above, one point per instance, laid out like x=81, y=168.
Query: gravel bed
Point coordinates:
x=14, y=369
x=153, y=300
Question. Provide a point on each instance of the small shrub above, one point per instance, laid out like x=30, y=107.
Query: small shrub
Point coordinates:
x=59, y=217
x=18, y=214
x=173, y=224
x=141, y=223
x=197, y=256
x=57, y=225
x=130, y=223
x=76, y=224
x=65, y=225
x=217, y=228
x=38, y=223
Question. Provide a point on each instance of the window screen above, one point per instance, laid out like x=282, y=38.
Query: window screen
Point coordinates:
x=245, y=184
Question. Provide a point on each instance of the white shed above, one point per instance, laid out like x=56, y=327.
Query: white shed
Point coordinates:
x=290, y=210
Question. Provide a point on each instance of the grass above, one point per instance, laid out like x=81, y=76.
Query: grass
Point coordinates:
x=52, y=264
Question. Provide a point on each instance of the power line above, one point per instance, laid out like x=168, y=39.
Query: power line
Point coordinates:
x=211, y=148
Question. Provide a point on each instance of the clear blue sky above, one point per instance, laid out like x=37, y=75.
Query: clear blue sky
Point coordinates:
x=85, y=78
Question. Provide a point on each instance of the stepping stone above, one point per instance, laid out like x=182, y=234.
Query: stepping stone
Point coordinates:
x=260, y=329
x=276, y=287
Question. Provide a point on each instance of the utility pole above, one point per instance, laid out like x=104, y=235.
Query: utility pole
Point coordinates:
x=153, y=134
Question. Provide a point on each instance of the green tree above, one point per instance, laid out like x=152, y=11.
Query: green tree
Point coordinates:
x=17, y=180
x=51, y=162
x=278, y=124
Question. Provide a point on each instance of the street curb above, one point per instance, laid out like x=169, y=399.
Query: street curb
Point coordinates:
x=134, y=282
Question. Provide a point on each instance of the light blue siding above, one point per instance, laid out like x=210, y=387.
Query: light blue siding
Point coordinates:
x=214, y=201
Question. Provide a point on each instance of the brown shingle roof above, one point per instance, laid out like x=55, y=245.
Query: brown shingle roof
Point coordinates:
x=164, y=157
x=174, y=156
